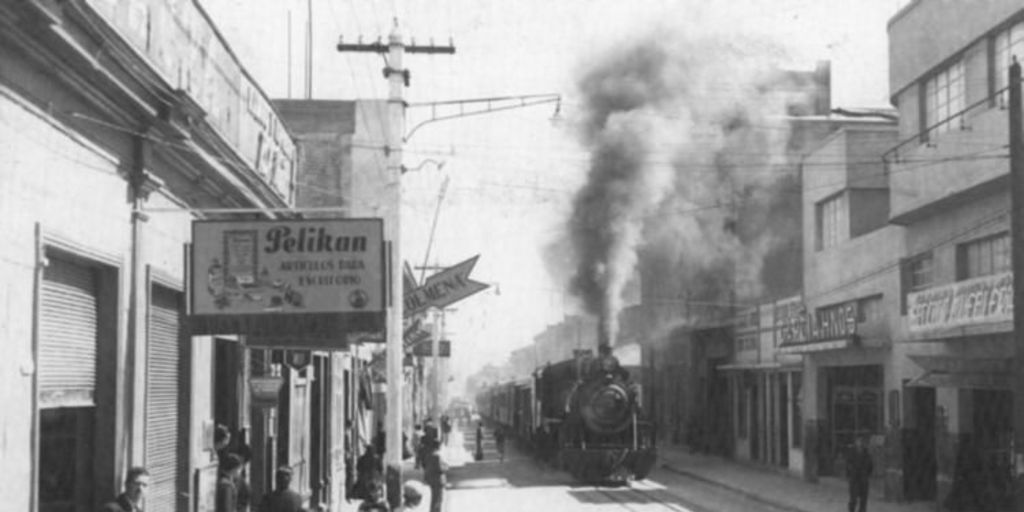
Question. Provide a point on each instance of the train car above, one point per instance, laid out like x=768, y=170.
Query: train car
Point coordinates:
x=593, y=424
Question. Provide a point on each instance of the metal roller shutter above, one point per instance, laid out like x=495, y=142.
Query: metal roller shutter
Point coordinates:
x=162, y=400
x=67, y=335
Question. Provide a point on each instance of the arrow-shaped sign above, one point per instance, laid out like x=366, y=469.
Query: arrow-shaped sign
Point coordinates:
x=443, y=288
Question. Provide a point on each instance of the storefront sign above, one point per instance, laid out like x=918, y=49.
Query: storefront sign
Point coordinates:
x=974, y=301
x=415, y=333
x=830, y=323
x=265, y=390
x=443, y=288
x=288, y=279
x=426, y=349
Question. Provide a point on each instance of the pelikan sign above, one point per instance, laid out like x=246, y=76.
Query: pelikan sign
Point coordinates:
x=300, y=278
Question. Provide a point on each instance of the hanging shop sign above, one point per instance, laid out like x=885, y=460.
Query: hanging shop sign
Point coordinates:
x=265, y=390
x=974, y=301
x=443, y=288
x=415, y=333
x=426, y=349
x=301, y=283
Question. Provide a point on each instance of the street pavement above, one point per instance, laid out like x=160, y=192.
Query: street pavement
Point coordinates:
x=682, y=482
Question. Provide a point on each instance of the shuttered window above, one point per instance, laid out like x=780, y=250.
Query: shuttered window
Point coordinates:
x=67, y=335
x=163, y=457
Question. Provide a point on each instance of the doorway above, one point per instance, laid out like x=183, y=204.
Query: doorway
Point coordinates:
x=919, y=466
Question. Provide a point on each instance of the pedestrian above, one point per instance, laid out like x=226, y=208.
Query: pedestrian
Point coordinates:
x=380, y=440
x=499, y=443
x=282, y=498
x=412, y=495
x=858, y=470
x=417, y=441
x=479, y=455
x=374, y=501
x=136, y=482
x=221, y=440
x=434, y=470
x=368, y=466
x=244, y=452
x=446, y=429
x=430, y=429
x=227, y=483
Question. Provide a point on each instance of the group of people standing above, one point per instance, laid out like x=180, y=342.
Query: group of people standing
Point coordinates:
x=369, y=484
x=233, y=493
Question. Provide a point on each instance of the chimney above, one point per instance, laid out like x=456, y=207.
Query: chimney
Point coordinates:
x=823, y=88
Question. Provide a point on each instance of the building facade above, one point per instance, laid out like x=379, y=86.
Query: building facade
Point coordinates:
x=121, y=123
x=842, y=327
x=949, y=176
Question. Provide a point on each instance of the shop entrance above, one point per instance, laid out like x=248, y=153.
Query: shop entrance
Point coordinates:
x=919, y=444
x=993, y=435
x=855, y=409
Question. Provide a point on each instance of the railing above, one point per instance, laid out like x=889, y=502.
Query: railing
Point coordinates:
x=924, y=136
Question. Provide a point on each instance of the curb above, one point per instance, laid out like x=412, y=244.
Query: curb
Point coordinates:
x=752, y=496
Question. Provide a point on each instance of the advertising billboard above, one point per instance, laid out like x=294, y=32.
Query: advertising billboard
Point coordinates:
x=292, y=281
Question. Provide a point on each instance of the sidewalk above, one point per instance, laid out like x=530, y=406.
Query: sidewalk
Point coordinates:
x=767, y=486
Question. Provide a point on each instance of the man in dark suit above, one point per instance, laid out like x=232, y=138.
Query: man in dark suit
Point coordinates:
x=858, y=471
x=434, y=474
x=282, y=498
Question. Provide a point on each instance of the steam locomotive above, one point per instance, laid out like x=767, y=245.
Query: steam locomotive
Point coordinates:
x=593, y=423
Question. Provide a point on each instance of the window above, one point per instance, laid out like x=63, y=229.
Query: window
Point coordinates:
x=831, y=219
x=916, y=273
x=921, y=271
x=983, y=257
x=943, y=97
x=1005, y=45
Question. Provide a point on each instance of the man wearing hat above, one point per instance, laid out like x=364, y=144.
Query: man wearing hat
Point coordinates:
x=282, y=498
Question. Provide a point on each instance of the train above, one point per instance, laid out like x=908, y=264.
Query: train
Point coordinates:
x=582, y=414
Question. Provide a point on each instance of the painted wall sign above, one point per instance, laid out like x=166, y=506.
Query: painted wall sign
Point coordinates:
x=291, y=278
x=830, y=323
x=974, y=301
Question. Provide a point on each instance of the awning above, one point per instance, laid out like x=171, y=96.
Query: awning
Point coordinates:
x=959, y=372
x=815, y=346
x=750, y=366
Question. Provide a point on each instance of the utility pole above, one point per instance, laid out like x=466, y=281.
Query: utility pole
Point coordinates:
x=1017, y=248
x=398, y=79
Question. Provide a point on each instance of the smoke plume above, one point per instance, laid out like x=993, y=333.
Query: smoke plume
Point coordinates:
x=688, y=141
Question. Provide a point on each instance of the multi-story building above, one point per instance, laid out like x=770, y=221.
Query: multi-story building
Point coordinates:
x=840, y=324
x=948, y=180
x=121, y=122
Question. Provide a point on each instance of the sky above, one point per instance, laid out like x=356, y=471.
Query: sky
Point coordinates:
x=512, y=175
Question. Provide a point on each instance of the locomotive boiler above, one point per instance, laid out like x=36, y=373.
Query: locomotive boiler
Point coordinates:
x=594, y=426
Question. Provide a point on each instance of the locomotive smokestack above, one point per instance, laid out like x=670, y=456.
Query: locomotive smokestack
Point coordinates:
x=606, y=331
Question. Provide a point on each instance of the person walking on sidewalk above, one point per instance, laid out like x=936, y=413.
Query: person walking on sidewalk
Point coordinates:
x=499, y=443
x=434, y=474
x=282, y=499
x=479, y=454
x=858, y=471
